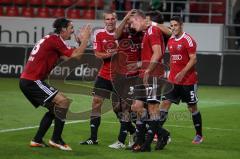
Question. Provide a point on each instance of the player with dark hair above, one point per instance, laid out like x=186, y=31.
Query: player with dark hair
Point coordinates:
x=104, y=47
x=41, y=62
x=183, y=58
x=152, y=52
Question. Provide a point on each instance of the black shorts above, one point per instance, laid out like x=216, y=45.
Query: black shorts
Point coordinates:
x=102, y=87
x=150, y=94
x=185, y=93
x=123, y=85
x=37, y=92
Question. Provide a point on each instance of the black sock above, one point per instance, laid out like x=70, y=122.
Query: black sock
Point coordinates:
x=131, y=128
x=44, y=126
x=94, y=124
x=197, y=121
x=58, y=129
x=140, y=132
x=123, y=132
x=152, y=129
x=163, y=116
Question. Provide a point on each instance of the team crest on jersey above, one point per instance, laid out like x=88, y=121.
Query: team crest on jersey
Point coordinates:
x=179, y=47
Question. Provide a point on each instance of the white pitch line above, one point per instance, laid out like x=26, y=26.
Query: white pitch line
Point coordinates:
x=37, y=126
x=190, y=127
x=112, y=122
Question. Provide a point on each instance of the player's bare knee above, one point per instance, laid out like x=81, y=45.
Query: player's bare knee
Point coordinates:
x=134, y=107
x=63, y=103
x=192, y=108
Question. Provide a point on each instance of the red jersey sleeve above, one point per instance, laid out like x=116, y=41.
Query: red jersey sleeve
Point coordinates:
x=97, y=45
x=62, y=47
x=155, y=36
x=190, y=44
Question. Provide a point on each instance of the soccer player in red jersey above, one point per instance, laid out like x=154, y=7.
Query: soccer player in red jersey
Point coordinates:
x=152, y=52
x=105, y=46
x=41, y=62
x=182, y=49
x=129, y=49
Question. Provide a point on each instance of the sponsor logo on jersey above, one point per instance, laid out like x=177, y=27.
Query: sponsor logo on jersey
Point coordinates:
x=176, y=57
x=179, y=47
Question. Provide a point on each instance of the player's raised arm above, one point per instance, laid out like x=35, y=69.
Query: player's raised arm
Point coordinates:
x=83, y=37
x=119, y=29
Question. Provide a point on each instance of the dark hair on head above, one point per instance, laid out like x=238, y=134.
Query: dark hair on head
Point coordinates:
x=60, y=23
x=177, y=19
x=156, y=16
x=140, y=13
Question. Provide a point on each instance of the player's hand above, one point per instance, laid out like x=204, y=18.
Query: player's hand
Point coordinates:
x=133, y=67
x=112, y=51
x=84, y=33
x=180, y=75
x=130, y=13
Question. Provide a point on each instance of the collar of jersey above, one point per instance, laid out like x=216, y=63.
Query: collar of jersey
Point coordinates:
x=108, y=32
x=180, y=37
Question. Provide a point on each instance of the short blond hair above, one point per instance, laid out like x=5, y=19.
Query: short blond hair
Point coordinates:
x=109, y=12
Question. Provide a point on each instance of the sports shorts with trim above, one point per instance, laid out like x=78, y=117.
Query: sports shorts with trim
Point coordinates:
x=102, y=87
x=37, y=92
x=184, y=93
x=149, y=94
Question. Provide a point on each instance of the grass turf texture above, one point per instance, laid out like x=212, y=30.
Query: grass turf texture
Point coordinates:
x=220, y=108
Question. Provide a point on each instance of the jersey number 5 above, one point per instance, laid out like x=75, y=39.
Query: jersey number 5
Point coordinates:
x=37, y=46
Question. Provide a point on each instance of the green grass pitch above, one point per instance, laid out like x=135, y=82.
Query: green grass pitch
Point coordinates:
x=220, y=108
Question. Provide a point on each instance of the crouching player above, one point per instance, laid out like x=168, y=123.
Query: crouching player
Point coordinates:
x=41, y=62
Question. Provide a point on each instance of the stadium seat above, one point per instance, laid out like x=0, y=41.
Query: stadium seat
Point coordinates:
x=35, y=2
x=27, y=12
x=218, y=8
x=5, y=1
x=218, y=19
x=82, y=3
x=128, y=5
x=58, y=12
x=12, y=11
x=20, y=2
x=203, y=19
x=1, y=11
x=89, y=14
x=194, y=8
x=66, y=3
x=100, y=3
x=51, y=3
x=43, y=12
x=113, y=5
x=74, y=14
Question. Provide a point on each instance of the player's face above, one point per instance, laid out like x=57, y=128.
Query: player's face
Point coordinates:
x=136, y=23
x=110, y=22
x=67, y=32
x=176, y=28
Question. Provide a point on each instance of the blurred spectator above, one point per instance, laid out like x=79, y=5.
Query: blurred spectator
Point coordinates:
x=237, y=28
